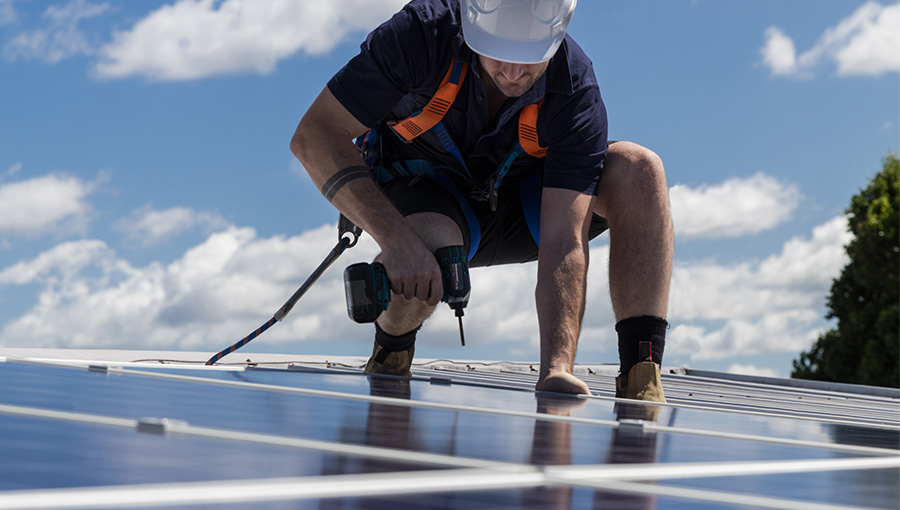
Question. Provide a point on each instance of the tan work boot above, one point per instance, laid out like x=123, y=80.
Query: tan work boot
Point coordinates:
x=390, y=363
x=641, y=383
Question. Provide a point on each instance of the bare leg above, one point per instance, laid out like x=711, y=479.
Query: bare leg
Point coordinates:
x=395, y=333
x=634, y=199
x=404, y=315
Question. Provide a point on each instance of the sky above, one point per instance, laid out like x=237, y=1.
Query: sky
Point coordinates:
x=148, y=198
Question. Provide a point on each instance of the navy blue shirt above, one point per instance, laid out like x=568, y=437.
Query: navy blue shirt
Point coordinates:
x=402, y=63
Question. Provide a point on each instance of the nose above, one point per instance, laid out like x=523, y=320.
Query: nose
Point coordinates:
x=512, y=72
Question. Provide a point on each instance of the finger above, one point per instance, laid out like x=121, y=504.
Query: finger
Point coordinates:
x=424, y=291
x=436, y=288
x=399, y=287
x=409, y=290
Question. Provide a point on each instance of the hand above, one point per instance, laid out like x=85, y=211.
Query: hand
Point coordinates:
x=414, y=272
x=562, y=382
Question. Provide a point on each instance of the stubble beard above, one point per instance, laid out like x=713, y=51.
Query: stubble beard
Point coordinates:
x=510, y=89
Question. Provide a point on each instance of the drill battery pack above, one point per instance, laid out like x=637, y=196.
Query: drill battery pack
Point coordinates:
x=368, y=291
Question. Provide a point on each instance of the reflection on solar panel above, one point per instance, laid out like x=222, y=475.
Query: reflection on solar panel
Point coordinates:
x=176, y=435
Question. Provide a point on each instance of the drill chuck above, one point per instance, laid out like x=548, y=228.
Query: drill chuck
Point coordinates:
x=455, y=274
x=457, y=286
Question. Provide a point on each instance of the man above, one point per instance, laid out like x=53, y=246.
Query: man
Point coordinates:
x=480, y=69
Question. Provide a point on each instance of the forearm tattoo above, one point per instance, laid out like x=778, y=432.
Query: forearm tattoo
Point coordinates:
x=338, y=180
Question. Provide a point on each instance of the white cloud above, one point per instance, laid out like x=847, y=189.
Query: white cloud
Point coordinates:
x=195, y=39
x=217, y=292
x=779, y=52
x=7, y=12
x=734, y=208
x=150, y=226
x=770, y=332
x=37, y=206
x=60, y=38
x=14, y=169
x=865, y=43
x=738, y=368
x=64, y=262
x=225, y=287
x=775, y=305
x=796, y=278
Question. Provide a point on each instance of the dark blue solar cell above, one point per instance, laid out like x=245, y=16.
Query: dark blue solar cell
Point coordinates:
x=868, y=488
x=42, y=453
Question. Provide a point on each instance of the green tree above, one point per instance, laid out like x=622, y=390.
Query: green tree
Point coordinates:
x=865, y=299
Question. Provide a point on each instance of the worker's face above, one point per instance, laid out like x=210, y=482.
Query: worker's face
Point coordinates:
x=513, y=80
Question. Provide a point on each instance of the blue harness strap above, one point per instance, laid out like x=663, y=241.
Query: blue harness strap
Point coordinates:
x=447, y=141
x=504, y=167
x=530, y=190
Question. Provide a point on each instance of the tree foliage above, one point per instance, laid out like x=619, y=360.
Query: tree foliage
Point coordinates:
x=865, y=298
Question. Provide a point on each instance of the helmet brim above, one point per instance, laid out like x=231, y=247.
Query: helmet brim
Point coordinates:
x=508, y=50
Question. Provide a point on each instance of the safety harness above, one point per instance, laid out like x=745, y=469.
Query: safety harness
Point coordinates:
x=430, y=118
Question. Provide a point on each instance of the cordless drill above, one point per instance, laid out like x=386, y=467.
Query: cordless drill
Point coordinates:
x=368, y=290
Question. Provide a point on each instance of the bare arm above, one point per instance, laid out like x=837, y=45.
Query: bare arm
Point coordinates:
x=323, y=144
x=561, y=287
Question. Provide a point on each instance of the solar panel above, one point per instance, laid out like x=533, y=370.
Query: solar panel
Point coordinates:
x=455, y=435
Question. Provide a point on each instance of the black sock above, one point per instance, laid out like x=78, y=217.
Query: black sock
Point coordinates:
x=391, y=343
x=641, y=339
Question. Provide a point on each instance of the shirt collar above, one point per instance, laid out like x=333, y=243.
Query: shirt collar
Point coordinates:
x=558, y=72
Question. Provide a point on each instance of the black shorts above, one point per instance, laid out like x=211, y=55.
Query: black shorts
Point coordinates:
x=503, y=236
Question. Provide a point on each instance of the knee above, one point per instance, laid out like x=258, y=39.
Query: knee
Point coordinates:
x=633, y=176
x=632, y=162
x=436, y=230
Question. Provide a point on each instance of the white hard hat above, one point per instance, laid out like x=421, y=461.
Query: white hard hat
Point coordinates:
x=517, y=31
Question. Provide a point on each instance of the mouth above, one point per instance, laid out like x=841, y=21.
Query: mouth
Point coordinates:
x=521, y=82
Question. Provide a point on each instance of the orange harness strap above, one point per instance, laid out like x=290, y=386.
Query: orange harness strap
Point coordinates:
x=528, y=137
x=435, y=110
